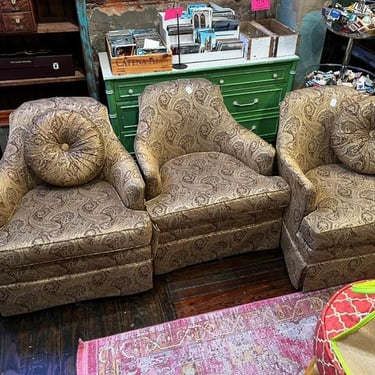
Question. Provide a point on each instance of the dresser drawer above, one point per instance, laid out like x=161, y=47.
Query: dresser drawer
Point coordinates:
x=265, y=125
x=8, y=6
x=127, y=114
x=18, y=22
x=254, y=101
x=256, y=76
x=127, y=140
x=132, y=88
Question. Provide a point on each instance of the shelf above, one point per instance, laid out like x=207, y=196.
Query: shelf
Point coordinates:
x=79, y=76
x=57, y=27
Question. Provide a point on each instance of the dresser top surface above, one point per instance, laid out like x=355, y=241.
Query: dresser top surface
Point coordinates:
x=200, y=67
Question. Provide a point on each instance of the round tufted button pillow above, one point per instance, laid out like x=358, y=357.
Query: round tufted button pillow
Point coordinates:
x=353, y=136
x=64, y=148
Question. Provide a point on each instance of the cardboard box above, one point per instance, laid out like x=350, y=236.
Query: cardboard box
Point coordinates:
x=285, y=40
x=27, y=67
x=172, y=39
x=135, y=64
x=257, y=44
x=208, y=56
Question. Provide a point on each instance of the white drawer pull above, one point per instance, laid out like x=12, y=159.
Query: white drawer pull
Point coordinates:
x=221, y=82
x=255, y=101
x=275, y=75
x=130, y=91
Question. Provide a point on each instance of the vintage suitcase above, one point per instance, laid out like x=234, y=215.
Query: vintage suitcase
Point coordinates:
x=27, y=67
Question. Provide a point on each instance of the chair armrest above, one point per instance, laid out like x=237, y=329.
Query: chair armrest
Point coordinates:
x=123, y=173
x=150, y=167
x=303, y=192
x=13, y=186
x=246, y=146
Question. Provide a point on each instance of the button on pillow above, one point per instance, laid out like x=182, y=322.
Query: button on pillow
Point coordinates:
x=64, y=148
x=353, y=136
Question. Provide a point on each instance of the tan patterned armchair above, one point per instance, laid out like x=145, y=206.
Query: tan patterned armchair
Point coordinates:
x=209, y=187
x=326, y=153
x=72, y=220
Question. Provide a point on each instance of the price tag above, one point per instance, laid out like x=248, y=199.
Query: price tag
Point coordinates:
x=260, y=5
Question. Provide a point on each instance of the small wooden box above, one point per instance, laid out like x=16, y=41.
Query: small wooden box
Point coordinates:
x=257, y=44
x=285, y=40
x=28, y=67
x=134, y=64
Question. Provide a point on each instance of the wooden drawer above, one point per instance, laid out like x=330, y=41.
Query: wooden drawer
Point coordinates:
x=18, y=22
x=127, y=140
x=254, y=101
x=131, y=88
x=254, y=76
x=265, y=125
x=7, y=6
x=126, y=116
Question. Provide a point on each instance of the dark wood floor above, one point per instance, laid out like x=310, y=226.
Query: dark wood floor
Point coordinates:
x=46, y=342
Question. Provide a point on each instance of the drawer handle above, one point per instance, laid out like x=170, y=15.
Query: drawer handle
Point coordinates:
x=18, y=20
x=221, y=82
x=253, y=128
x=13, y=2
x=130, y=91
x=255, y=101
x=275, y=75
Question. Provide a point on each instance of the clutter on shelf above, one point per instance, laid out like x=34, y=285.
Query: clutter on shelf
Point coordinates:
x=357, y=19
x=360, y=80
x=199, y=33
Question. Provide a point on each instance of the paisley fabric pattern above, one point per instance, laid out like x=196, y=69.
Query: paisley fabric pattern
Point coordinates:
x=328, y=228
x=187, y=116
x=64, y=148
x=209, y=187
x=353, y=136
x=345, y=213
x=65, y=244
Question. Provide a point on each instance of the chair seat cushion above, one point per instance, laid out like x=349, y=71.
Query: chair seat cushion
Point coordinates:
x=64, y=148
x=211, y=188
x=353, y=136
x=58, y=231
x=345, y=213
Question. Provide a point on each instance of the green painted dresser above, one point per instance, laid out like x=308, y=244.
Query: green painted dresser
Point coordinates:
x=252, y=92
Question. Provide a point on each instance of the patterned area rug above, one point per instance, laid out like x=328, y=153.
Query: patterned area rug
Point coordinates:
x=273, y=336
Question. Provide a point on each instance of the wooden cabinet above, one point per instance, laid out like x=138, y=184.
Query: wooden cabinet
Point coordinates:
x=252, y=92
x=45, y=27
x=17, y=16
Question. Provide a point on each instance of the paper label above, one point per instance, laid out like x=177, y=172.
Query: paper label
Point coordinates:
x=171, y=13
x=260, y=5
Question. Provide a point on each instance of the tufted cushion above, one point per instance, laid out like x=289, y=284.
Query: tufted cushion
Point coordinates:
x=353, y=136
x=64, y=148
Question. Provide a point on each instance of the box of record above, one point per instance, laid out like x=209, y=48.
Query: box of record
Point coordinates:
x=208, y=48
x=285, y=39
x=134, y=51
x=257, y=44
x=34, y=65
x=170, y=32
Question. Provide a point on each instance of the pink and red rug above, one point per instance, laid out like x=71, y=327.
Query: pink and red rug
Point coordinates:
x=273, y=336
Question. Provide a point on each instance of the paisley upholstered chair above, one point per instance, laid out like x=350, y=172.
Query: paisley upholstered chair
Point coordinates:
x=326, y=153
x=72, y=220
x=209, y=188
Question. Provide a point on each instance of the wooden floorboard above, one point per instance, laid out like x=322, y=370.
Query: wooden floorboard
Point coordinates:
x=46, y=342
